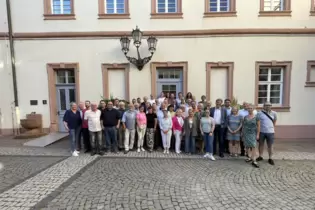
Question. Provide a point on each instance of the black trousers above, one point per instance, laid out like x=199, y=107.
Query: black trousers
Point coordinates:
x=226, y=142
x=86, y=138
x=218, y=139
x=158, y=138
x=242, y=148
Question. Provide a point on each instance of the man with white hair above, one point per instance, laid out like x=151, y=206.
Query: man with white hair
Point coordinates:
x=95, y=129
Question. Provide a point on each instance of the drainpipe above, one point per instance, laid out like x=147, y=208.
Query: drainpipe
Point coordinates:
x=11, y=44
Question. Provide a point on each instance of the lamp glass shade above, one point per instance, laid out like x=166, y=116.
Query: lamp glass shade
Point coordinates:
x=136, y=36
x=152, y=42
x=125, y=42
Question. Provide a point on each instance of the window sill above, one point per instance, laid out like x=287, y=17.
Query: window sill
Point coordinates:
x=166, y=15
x=219, y=14
x=275, y=13
x=312, y=13
x=59, y=17
x=309, y=84
x=114, y=16
x=277, y=108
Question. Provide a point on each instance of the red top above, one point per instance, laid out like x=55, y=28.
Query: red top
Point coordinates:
x=84, y=122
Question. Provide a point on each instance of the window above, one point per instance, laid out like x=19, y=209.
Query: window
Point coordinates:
x=273, y=82
x=166, y=9
x=59, y=9
x=270, y=85
x=310, y=75
x=275, y=7
x=65, y=76
x=219, y=5
x=166, y=6
x=217, y=8
x=113, y=9
x=169, y=73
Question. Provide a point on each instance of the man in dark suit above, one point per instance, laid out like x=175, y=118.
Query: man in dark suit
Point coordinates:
x=219, y=114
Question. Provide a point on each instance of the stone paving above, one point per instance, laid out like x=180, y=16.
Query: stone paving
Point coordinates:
x=189, y=184
x=27, y=194
x=154, y=180
x=16, y=169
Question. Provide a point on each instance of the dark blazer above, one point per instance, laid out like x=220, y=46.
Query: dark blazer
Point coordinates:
x=223, y=115
x=194, y=128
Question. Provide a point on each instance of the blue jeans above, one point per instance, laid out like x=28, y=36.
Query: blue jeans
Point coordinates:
x=209, y=142
x=111, y=138
x=73, y=136
x=190, y=144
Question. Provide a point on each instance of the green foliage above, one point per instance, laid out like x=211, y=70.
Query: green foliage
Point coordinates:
x=234, y=103
x=112, y=98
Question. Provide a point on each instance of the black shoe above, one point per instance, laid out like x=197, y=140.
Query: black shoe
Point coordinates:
x=255, y=164
x=259, y=159
x=242, y=153
x=101, y=153
x=271, y=162
x=221, y=155
x=87, y=151
x=126, y=152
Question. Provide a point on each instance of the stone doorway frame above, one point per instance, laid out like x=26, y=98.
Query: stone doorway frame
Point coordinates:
x=51, y=73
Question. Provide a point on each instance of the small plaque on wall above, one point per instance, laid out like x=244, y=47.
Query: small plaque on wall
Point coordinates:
x=33, y=102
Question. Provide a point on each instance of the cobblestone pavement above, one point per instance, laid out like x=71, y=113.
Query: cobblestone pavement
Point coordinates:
x=188, y=184
x=16, y=169
x=33, y=190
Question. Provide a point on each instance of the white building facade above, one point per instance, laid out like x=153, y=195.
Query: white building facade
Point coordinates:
x=69, y=50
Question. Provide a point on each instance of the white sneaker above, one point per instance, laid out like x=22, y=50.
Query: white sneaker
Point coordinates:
x=178, y=152
x=78, y=152
x=211, y=157
x=138, y=150
x=167, y=151
x=206, y=155
x=142, y=149
x=164, y=151
x=75, y=154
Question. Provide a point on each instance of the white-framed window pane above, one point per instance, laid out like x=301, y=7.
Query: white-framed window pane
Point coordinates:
x=270, y=85
x=171, y=5
x=273, y=5
x=61, y=6
x=115, y=7
x=219, y=5
x=166, y=6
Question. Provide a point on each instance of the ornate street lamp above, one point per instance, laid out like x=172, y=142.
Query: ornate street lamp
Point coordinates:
x=137, y=37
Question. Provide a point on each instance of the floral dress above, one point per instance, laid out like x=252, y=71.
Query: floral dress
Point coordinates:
x=250, y=131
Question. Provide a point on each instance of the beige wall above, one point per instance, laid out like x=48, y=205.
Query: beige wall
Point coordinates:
x=3, y=17
x=244, y=51
x=6, y=87
x=87, y=19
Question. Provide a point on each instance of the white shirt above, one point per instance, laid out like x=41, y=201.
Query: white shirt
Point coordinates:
x=93, y=118
x=180, y=121
x=244, y=112
x=161, y=100
x=151, y=101
x=217, y=116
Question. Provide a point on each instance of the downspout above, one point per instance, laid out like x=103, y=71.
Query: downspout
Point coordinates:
x=12, y=52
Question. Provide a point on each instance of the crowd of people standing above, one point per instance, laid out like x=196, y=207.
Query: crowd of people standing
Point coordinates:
x=170, y=122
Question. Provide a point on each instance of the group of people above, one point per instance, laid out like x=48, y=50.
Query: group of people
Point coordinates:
x=168, y=122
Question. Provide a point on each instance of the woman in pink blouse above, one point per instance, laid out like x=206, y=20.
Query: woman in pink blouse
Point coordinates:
x=178, y=123
x=141, y=127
